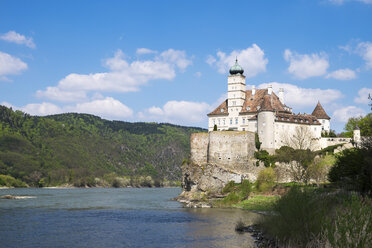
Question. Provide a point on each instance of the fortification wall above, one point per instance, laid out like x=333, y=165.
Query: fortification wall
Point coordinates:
x=199, y=148
x=229, y=149
x=232, y=150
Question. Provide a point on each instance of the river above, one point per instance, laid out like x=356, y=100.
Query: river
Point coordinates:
x=109, y=217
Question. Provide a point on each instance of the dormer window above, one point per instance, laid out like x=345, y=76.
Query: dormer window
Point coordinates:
x=222, y=110
x=248, y=108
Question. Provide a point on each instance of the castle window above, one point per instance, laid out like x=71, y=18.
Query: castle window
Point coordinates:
x=230, y=121
x=219, y=122
x=224, y=122
x=236, y=120
x=214, y=122
x=243, y=120
x=234, y=103
x=243, y=129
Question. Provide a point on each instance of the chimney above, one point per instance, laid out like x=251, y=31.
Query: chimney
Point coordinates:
x=253, y=90
x=269, y=89
x=281, y=95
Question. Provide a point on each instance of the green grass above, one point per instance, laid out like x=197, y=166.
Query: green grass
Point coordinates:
x=258, y=203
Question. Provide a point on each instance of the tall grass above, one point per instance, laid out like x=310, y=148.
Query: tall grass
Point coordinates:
x=309, y=218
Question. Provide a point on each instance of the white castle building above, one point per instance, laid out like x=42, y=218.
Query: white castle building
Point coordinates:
x=264, y=112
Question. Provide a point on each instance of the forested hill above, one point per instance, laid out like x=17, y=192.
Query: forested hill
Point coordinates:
x=79, y=148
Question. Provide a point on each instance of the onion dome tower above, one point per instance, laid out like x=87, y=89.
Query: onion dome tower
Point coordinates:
x=236, y=69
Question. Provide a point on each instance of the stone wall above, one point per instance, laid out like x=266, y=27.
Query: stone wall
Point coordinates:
x=199, y=148
x=230, y=149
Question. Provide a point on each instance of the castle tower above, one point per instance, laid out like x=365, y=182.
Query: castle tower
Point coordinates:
x=266, y=123
x=323, y=118
x=236, y=89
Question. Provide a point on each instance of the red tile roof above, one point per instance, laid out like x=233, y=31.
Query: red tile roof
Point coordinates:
x=320, y=113
x=261, y=100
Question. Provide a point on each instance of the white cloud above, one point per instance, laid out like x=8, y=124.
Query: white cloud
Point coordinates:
x=123, y=76
x=365, y=50
x=40, y=109
x=251, y=59
x=178, y=112
x=145, y=51
x=109, y=108
x=10, y=65
x=176, y=57
x=17, y=38
x=56, y=94
x=343, y=114
x=305, y=66
x=342, y=74
x=297, y=97
x=363, y=96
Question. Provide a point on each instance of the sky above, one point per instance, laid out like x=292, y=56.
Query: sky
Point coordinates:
x=168, y=61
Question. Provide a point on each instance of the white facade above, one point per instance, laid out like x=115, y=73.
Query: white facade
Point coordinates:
x=264, y=112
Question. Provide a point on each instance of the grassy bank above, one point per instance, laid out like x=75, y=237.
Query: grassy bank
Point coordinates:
x=307, y=217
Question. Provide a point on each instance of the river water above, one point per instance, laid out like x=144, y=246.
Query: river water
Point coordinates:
x=108, y=217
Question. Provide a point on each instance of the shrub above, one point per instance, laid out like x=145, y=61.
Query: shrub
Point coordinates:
x=265, y=157
x=266, y=179
x=231, y=198
x=245, y=189
x=257, y=141
x=230, y=186
x=353, y=170
x=239, y=227
x=9, y=181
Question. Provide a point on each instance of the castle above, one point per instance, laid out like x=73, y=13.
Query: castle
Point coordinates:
x=265, y=113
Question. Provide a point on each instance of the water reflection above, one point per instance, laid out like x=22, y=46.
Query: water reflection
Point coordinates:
x=216, y=228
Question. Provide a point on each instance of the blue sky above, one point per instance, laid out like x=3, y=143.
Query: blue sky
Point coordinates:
x=167, y=61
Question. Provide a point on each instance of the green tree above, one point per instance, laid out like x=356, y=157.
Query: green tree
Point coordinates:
x=353, y=168
x=364, y=123
x=257, y=141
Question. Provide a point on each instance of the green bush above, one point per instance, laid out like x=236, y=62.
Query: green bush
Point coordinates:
x=353, y=169
x=266, y=179
x=9, y=181
x=229, y=187
x=245, y=189
x=231, y=198
x=265, y=157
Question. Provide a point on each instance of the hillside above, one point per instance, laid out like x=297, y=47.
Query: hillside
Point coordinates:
x=77, y=148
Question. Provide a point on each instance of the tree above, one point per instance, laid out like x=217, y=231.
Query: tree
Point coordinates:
x=302, y=138
x=257, y=141
x=364, y=123
x=353, y=168
x=215, y=127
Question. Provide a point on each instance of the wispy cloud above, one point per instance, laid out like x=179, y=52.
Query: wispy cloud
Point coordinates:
x=123, y=76
x=10, y=65
x=304, y=66
x=252, y=59
x=17, y=38
x=342, y=74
